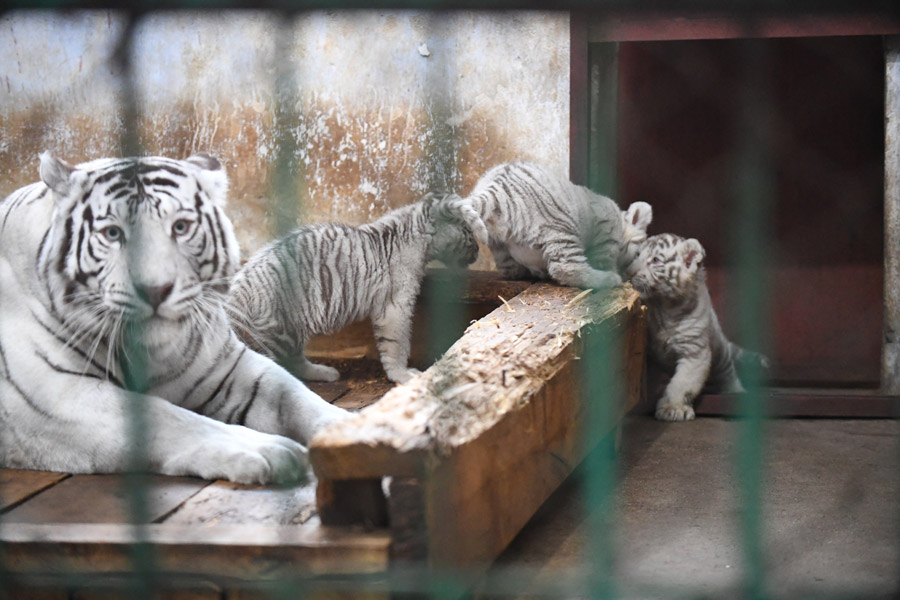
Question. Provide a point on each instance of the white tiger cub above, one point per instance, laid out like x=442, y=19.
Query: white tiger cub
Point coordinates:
x=684, y=333
x=541, y=224
x=320, y=278
x=112, y=281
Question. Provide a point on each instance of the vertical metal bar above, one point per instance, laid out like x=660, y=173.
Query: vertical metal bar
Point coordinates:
x=445, y=314
x=601, y=362
x=890, y=354
x=287, y=185
x=602, y=390
x=604, y=104
x=753, y=195
x=145, y=580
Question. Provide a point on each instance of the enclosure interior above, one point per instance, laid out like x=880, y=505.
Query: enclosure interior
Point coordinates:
x=678, y=135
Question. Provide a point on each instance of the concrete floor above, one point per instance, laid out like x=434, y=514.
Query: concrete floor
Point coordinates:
x=831, y=514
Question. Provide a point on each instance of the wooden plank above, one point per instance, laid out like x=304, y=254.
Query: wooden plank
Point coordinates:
x=236, y=552
x=227, y=503
x=493, y=427
x=102, y=499
x=834, y=403
x=18, y=485
x=648, y=26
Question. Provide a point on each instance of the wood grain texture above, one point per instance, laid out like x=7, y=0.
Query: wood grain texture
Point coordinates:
x=496, y=424
x=227, y=503
x=18, y=485
x=232, y=551
x=103, y=499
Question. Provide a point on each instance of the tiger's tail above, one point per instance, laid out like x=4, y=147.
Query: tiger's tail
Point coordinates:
x=464, y=209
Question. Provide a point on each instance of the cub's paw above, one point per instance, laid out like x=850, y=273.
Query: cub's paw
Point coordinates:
x=314, y=372
x=603, y=280
x=674, y=412
x=402, y=375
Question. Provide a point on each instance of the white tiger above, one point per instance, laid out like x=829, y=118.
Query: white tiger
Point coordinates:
x=541, y=224
x=320, y=278
x=113, y=275
x=685, y=338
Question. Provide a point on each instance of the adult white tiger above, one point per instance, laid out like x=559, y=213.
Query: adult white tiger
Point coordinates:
x=112, y=279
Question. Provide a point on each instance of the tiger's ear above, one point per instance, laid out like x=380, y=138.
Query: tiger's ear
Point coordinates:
x=212, y=177
x=56, y=173
x=639, y=215
x=693, y=253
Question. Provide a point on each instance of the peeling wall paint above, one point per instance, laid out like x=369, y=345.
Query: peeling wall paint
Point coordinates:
x=382, y=106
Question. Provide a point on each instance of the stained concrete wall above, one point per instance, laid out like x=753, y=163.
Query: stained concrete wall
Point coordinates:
x=382, y=105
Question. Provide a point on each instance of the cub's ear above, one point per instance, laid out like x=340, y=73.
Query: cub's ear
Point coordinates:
x=56, y=173
x=693, y=253
x=639, y=215
x=212, y=177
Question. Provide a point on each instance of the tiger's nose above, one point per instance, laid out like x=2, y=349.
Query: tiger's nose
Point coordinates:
x=154, y=295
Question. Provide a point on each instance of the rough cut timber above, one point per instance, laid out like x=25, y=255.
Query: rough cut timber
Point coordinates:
x=479, y=441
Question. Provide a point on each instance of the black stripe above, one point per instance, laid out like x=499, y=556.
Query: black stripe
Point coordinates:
x=21, y=392
x=200, y=409
x=242, y=417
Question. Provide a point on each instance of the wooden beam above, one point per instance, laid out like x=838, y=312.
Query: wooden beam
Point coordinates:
x=495, y=425
x=890, y=357
x=660, y=26
x=235, y=552
x=829, y=403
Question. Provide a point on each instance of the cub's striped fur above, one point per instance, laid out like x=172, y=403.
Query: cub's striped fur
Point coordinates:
x=541, y=224
x=319, y=278
x=684, y=333
x=112, y=283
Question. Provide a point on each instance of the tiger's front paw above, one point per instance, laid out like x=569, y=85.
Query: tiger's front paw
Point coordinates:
x=672, y=412
x=246, y=456
x=402, y=375
x=604, y=280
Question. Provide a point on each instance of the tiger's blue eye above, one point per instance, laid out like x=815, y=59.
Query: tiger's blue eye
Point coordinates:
x=112, y=233
x=181, y=226
x=655, y=260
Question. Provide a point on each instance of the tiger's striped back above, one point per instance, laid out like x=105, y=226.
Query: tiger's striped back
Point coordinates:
x=320, y=278
x=541, y=224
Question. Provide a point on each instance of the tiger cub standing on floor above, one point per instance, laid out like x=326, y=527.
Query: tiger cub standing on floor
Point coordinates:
x=684, y=334
x=319, y=278
x=542, y=225
x=112, y=283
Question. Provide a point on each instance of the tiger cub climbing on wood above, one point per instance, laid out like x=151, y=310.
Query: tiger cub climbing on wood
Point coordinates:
x=322, y=277
x=684, y=334
x=542, y=225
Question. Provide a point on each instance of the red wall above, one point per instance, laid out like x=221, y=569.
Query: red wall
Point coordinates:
x=679, y=105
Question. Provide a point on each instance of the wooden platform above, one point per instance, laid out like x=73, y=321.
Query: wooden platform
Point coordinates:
x=471, y=449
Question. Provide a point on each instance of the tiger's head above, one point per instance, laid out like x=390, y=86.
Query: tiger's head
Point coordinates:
x=668, y=267
x=457, y=229
x=138, y=241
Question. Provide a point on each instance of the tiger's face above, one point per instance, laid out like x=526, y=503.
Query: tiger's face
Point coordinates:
x=139, y=241
x=452, y=241
x=667, y=267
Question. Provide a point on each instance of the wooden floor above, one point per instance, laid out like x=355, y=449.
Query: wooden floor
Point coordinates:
x=215, y=528
x=469, y=450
